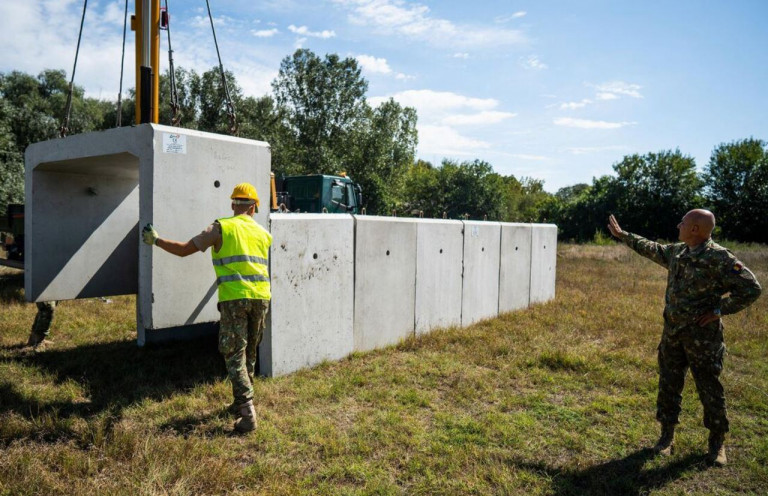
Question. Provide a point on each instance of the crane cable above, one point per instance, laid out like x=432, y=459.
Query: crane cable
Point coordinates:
x=65, y=125
x=230, y=107
x=119, y=118
x=176, y=116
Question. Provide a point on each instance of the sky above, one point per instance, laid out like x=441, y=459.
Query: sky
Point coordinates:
x=551, y=89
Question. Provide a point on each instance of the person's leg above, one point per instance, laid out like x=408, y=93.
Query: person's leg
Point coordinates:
x=41, y=327
x=706, y=354
x=233, y=336
x=673, y=365
x=257, y=321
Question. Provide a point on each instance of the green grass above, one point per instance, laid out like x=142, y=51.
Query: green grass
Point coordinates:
x=555, y=400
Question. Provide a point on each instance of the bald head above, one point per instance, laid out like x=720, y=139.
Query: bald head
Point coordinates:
x=696, y=226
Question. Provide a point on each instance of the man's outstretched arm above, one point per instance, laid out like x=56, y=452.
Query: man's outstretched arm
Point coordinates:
x=150, y=237
x=657, y=252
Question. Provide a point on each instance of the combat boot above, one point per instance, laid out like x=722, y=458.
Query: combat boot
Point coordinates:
x=247, y=420
x=35, y=339
x=716, y=455
x=666, y=440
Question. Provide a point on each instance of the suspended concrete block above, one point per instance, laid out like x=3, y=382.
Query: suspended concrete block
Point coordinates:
x=312, y=279
x=385, y=280
x=480, y=291
x=515, y=267
x=543, y=262
x=88, y=195
x=440, y=246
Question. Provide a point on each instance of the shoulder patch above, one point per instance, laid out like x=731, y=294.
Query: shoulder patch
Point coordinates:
x=737, y=268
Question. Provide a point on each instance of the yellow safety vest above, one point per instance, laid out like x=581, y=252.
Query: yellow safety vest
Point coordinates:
x=241, y=263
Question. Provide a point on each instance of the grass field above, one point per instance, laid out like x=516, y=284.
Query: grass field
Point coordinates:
x=558, y=399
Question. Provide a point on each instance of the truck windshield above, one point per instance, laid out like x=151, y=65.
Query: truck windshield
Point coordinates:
x=337, y=194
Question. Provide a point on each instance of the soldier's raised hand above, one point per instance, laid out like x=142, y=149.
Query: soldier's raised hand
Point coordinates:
x=613, y=226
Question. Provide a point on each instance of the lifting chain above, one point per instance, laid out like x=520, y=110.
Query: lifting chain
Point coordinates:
x=175, y=112
x=230, y=107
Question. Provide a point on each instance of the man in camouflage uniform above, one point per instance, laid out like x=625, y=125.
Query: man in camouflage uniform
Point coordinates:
x=240, y=257
x=41, y=327
x=700, y=273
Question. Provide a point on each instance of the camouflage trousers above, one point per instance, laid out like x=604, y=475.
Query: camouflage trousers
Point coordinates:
x=240, y=332
x=41, y=327
x=702, y=350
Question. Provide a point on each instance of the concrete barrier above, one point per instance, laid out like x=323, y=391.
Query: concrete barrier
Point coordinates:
x=90, y=193
x=312, y=279
x=480, y=290
x=515, y=267
x=439, y=258
x=543, y=262
x=385, y=280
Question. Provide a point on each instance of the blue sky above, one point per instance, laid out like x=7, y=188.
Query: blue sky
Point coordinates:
x=556, y=90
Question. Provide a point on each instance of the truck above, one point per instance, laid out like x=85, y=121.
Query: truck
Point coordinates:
x=316, y=193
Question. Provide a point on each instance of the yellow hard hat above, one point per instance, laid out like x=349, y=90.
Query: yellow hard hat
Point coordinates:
x=245, y=191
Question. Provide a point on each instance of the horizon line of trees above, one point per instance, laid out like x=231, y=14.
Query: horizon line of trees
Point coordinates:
x=317, y=120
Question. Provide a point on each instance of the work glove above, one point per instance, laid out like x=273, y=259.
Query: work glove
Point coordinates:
x=149, y=234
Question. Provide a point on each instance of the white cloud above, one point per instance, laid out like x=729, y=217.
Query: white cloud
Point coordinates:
x=606, y=96
x=461, y=55
x=264, y=33
x=575, y=105
x=588, y=124
x=404, y=77
x=374, y=65
x=444, y=140
x=485, y=117
x=414, y=20
x=619, y=88
x=304, y=31
x=516, y=15
x=533, y=62
x=437, y=103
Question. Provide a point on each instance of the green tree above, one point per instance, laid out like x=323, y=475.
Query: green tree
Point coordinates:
x=736, y=179
x=324, y=103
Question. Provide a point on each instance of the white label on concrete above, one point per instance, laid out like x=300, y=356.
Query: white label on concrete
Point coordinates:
x=312, y=274
x=385, y=280
x=440, y=246
x=543, y=262
x=174, y=143
x=480, y=291
x=515, y=268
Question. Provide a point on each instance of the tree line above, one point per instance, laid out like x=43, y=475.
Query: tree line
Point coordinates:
x=317, y=120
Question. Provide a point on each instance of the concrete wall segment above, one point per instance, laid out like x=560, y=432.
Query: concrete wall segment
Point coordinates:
x=543, y=262
x=385, y=280
x=515, y=267
x=440, y=248
x=480, y=289
x=312, y=274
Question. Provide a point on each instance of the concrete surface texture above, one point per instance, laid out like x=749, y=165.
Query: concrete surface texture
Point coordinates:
x=515, y=267
x=312, y=273
x=439, y=255
x=183, y=189
x=88, y=195
x=480, y=290
x=543, y=262
x=385, y=280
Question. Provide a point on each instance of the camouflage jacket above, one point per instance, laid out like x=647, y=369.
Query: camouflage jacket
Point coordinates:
x=702, y=279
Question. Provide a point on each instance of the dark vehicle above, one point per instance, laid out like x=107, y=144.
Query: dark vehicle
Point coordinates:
x=317, y=193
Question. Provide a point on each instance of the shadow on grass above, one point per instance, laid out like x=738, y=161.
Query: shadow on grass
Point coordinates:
x=112, y=375
x=625, y=476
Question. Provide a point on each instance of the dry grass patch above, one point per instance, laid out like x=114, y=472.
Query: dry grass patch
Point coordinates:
x=557, y=399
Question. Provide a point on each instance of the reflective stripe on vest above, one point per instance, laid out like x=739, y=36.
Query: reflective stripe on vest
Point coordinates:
x=241, y=263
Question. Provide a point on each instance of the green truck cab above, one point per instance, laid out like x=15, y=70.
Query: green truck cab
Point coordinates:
x=318, y=193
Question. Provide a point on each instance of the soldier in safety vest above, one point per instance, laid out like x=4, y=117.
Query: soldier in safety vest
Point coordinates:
x=704, y=281
x=240, y=257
